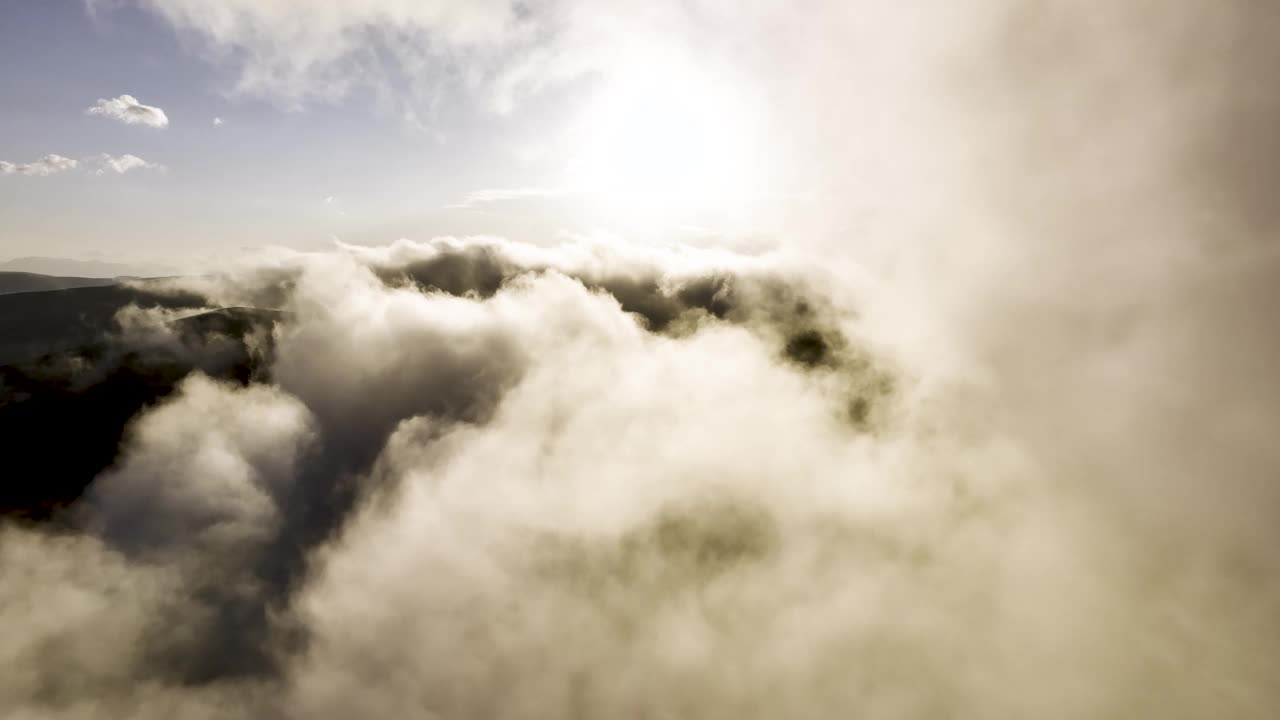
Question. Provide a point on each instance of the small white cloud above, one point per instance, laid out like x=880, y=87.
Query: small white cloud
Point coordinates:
x=47, y=165
x=218, y=121
x=332, y=201
x=128, y=110
x=122, y=164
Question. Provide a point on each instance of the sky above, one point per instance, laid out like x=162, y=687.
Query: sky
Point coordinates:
x=260, y=176
x=844, y=130
x=378, y=120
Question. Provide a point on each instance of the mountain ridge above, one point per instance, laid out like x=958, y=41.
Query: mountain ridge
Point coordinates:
x=67, y=267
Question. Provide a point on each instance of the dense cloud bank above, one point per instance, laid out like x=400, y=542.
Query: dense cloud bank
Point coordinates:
x=260, y=437
x=472, y=478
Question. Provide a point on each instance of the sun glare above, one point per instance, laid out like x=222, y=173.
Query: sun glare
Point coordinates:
x=661, y=135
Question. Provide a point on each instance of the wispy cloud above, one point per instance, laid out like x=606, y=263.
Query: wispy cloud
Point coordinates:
x=128, y=110
x=480, y=198
x=331, y=201
x=104, y=164
x=121, y=164
x=511, y=49
x=283, y=48
x=51, y=164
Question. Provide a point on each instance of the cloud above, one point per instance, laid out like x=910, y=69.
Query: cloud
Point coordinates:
x=290, y=463
x=290, y=63
x=45, y=166
x=691, y=472
x=334, y=203
x=218, y=121
x=128, y=110
x=122, y=164
x=510, y=49
x=79, y=624
x=54, y=164
x=481, y=198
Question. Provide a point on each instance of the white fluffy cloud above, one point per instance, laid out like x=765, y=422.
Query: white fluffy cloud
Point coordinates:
x=128, y=110
x=121, y=164
x=47, y=165
x=223, y=501
x=490, y=478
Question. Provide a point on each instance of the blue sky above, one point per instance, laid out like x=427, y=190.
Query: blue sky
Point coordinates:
x=364, y=122
x=261, y=177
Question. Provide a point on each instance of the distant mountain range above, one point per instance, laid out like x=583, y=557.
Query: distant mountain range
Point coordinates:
x=63, y=267
x=68, y=375
x=21, y=282
x=36, y=323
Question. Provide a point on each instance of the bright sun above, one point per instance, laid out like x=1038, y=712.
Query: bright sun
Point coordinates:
x=661, y=135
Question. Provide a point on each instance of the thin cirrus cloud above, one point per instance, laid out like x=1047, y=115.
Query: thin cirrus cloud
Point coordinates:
x=54, y=164
x=332, y=202
x=481, y=198
x=51, y=164
x=288, y=49
x=128, y=110
x=122, y=164
x=512, y=50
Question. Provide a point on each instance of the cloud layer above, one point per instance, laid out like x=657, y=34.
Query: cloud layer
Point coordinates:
x=483, y=478
x=128, y=110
